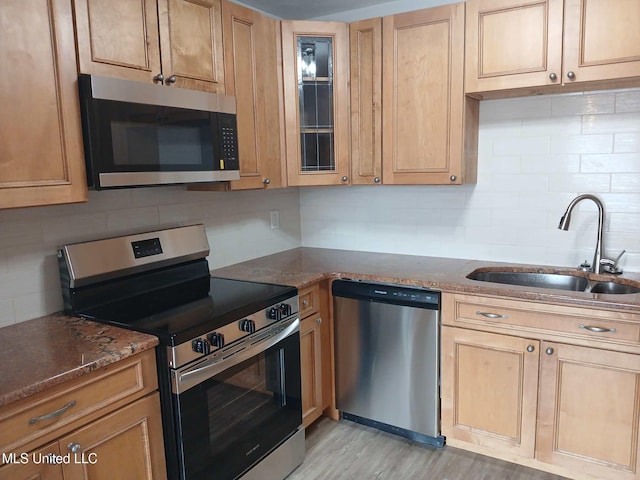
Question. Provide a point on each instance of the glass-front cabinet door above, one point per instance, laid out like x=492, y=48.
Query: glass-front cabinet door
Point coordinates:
x=315, y=66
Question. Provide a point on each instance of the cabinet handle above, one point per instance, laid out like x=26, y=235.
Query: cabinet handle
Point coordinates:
x=266, y=181
x=318, y=320
x=553, y=77
x=531, y=348
x=376, y=180
x=549, y=351
x=159, y=78
x=597, y=329
x=74, y=447
x=492, y=315
x=453, y=178
x=172, y=79
x=345, y=178
x=51, y=415
x=571, y=75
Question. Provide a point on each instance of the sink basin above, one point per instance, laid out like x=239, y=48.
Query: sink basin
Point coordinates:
x=614, y=287
x=533, y=279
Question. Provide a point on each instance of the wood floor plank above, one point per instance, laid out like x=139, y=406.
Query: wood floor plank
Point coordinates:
x=346, y=451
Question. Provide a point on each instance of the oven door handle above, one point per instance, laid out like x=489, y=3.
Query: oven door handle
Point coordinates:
x=195, y=374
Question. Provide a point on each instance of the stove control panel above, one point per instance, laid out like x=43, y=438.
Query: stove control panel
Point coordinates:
x=225, y=336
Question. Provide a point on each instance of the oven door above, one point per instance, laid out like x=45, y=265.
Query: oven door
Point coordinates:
x=232, y=412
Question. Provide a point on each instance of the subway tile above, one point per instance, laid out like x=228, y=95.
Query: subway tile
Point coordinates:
x=588, y=103
x=550, y=164
x=580, y=182
x=551, y=126
x=74, y=228
x=521, y=145
x=626, y=142
x=519, y=183
x=612, y=163
x=145, y=197
x=181, y=214
x=613, y=123
x=7, y=313
x=526, y=107
x=621, y=202
x=581, y=144
x=627, y=182
x=16, y=234
x=628, y=101
x=624, y=222
x=132, y=220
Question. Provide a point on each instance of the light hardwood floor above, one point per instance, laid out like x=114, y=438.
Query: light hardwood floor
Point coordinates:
x=347, y=451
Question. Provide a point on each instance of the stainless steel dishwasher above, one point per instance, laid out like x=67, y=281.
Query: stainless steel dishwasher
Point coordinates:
x=387, y=340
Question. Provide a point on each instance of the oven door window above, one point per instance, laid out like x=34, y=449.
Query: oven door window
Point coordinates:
x=230, y=421
x=139, y=138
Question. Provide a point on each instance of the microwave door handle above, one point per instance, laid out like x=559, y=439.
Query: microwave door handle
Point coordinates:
x=190, y=378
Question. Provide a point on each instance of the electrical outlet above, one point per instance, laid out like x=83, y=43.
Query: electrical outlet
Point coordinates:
x=275, y=219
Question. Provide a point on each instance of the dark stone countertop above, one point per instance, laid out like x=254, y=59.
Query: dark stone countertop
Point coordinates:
x=41, y=353
x=304, y=266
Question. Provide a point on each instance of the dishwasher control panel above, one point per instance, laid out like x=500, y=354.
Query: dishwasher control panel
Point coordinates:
x=374, y=292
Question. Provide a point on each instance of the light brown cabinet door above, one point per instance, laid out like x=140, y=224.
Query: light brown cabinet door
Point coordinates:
x=191, y=44
x=118, y=38
x=30, y=470
x=251, y=70
x=513, y=44
x=125, y=444
x=489, y=390
x=365, y=39
x=41, y=152
x=424, y=119
x=311, y=368
x=601, y=40
x=316, y=102
x=588, y=416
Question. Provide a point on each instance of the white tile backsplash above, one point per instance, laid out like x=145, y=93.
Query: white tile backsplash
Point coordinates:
x=237, y=225
x=535, y=155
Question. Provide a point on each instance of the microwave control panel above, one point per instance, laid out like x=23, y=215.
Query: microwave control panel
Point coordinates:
x=228, y=135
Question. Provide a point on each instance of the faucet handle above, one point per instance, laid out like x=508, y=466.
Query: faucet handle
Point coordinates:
x=611, y=266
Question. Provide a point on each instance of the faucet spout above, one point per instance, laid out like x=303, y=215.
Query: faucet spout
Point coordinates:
x=597, y=266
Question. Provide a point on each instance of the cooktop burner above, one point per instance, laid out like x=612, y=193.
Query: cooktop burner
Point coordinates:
x=181, y=318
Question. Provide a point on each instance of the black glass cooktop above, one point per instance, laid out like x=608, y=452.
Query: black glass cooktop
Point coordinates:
x=187, y=311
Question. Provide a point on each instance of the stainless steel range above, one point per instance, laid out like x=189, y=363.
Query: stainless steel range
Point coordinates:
x=229, y=354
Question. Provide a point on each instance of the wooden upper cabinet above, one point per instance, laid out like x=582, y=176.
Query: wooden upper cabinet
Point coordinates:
x=41, y=152
x=429, y=129
x=316, y=102
x=513, y=44
x=129, y=38
x=601, y=40
x=365, y=39
x=252, y=67
x=516, y=44
x=588, y=419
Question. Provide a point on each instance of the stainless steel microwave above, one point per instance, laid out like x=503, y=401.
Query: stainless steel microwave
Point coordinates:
x=138, y=134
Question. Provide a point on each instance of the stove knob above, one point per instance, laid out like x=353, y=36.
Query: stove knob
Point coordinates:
x=285, y=308
x=247, y=325
x=216, y=339
x=274, y=313
x=200, y=345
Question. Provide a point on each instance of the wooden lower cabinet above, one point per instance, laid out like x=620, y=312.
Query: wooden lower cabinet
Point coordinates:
x=311, y=368
x=489, y=390
x=568, y=409
x=29, y=470
x=588, y=416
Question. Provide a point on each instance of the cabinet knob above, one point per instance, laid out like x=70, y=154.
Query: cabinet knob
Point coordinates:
x=266, y=181
x=549, y=351
x=571, y=75
x=376, y=180
x=345, y=178
x=453, y=178
x=159, y=78
x=318, y=320
x=530, y=348
x=305, y=303
x=74, y=447
x=171, y=79
x=553, y=77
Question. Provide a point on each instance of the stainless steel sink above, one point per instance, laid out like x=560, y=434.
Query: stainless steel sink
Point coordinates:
x=614, y=287
x=558, y=281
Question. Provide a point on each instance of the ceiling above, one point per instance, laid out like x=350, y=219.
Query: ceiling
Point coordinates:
x=306, y=9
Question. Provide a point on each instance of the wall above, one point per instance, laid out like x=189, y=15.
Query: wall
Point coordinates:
x=535, y=155
x=237, y=224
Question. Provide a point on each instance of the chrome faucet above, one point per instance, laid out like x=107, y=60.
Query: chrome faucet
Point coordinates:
x=600, y=264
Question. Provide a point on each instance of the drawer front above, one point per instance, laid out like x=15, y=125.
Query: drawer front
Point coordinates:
x=309, y=298
x=465, y=310
x=53, y=412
